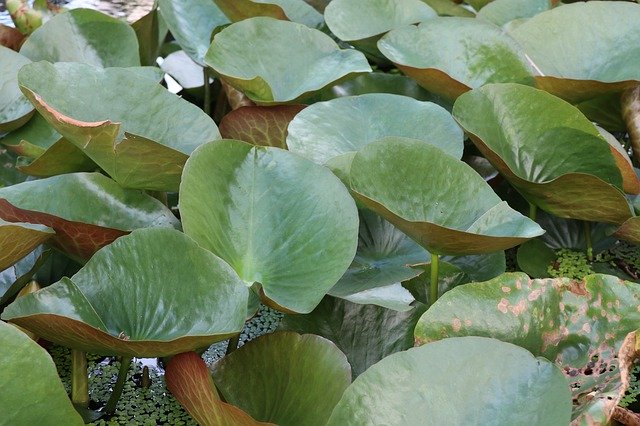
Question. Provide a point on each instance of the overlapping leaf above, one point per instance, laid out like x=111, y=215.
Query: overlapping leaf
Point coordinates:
x=284, y=378
x=501, y=12
x=470, y=381
x=444, y=204
x=87, y=212
x=469, y=54
x=265, y=126
x=19, y=239
x=153, y=303
x=258, y=69
x=292, y=10
x=271, y=215
x=328, y=129
x=138, y=132
x=15, y=108
x=32, y=392
x=581, y=325
x=549, y=151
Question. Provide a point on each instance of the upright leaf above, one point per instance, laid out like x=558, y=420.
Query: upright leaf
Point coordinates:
x=15, y=108
x=292, y=10
x=19, y=239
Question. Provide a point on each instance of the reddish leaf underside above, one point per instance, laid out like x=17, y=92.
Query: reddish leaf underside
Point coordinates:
x=260, y=125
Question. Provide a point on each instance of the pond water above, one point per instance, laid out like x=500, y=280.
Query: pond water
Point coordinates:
x=131, y=10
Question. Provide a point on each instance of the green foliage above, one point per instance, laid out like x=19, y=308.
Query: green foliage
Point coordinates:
x=570, y=264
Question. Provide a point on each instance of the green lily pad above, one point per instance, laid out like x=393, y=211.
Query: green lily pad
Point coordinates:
x=365, y=333
x=151, y=31
x=535, y=257
x=9, y=175
x=548, y=150
x=191, y=23
x=501, y=12
x=84, y=35
x=259, y=125
x=62, y=157
x=77, y=212
x=470, y=381
x=19, y=239
x=292, y=10
x=284, y=378
x=470, y=53
x=581, y=325
x=257, y=69
x=597, y=67
x=328, y=129
x=17, y=276
x=352, y=20
x=153, y=304
x=271, y=215
x=135, y=146
x=32, y=392
x=15, y=108
x=435, y=186
x=32, y=139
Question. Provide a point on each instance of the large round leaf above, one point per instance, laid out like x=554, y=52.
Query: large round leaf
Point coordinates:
x=280, y=220
x=88, y=210
x=191, y=23
x=32, y=392
x=579, y=325
x=353, y=20
x=135, y=297
x=283, y=62
x=470, y=381
x=608, y=59
x=84, y=35
x=548, y=150
x=292, y=10
x=501, y=12
x=15, y=109
x=284, y=378
x=437, y=200
x=18, y=239
x=328, y=129
x=137, y=131
x=469, y=54
x=365, y=333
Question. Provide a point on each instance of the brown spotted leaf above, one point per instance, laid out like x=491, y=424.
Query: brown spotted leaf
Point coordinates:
x=259, y=125
x=580, y=325
x=19, y=239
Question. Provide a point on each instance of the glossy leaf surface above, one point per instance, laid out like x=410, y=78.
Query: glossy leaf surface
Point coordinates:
x=284, y=378
x=136, y=146
x=494, y=383
x=32, y=392
x=88, y=212
x=257, y=69
x=292, y=10
x=153, y=304
x=436, y=186
x=329, y=129
x=264, y=126
x=470, y=53
x=353, y=20
x=580, y=325
x=84, y=35
x=548, y=150
x=271, y=215
x=19, y=239
x=15, y=108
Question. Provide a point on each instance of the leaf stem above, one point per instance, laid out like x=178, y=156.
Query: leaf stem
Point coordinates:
x=79, y=379
x=117, y=389
x=207, y=91
x=587, y=239
x=533, y=211
x=233, y=344
x=433, y=284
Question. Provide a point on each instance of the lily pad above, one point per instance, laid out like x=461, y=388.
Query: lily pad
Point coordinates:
x=257, y=69
x=284, y=378
x=328, y=129
x=88, y=212
x=501, y=12
x=151, y=31
x=32, y=392
x=84, y=35
x=581, y=325
x=15, y=108
x=435, y=186
x=548, y=150
x=271, y=215
x=62, y=157
x=191, y=23
x=470, y=54
x=494, y=383
x=135, y=146
x=292, y=10
x=365, y=333
x=535, y=257
x=19, y=239
x=17, y=276
x=596, y=68
x=32, y=139
x=264, y=126
x=153, y=304
x=353, y=20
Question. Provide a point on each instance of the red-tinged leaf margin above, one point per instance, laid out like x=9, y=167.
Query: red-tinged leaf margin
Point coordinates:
x=190, y=382
x=79, y=240
x=260, y=125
